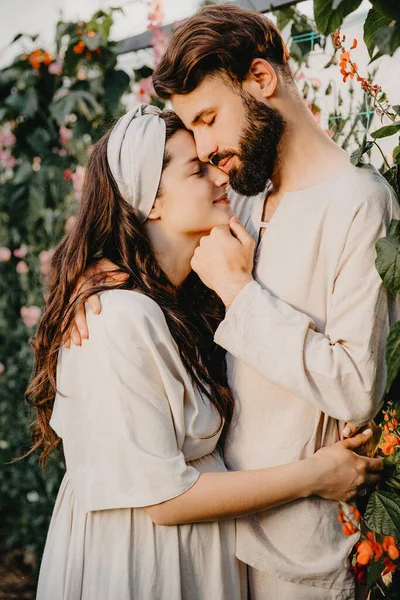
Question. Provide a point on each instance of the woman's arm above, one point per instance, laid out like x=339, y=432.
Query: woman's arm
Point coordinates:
x=334, y=472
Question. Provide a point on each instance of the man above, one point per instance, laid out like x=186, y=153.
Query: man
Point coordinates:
x=306, y=330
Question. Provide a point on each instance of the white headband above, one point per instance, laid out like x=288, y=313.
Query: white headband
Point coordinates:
x=135, y=154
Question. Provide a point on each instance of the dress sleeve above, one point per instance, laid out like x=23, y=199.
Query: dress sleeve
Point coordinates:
x=341, y=371
x=122, y=420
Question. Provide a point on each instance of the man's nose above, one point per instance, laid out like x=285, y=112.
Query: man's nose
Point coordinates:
x=206, y=148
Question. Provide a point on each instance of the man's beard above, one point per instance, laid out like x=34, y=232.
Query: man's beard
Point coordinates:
x=258, y=147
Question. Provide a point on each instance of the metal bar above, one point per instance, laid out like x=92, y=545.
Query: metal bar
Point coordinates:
x=143, y=40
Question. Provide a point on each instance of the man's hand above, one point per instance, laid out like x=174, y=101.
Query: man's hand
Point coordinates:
x=102, y=272
x=224, y=260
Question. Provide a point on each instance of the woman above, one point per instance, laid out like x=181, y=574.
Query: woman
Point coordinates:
x=145, y=510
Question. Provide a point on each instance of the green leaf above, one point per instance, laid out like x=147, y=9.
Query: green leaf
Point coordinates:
x=389, y=8
x=396, y=155
x=115, y=84
x=396, y=108
x=373, y=23
x=386, y=131
x=383, y=513
x=328, y=18
x=356, y=156
x=393, y=354
x=284, y=16
x=75, y=99
x=23, y=173
x=388, y=261
x=374, y=571
x=388, y=39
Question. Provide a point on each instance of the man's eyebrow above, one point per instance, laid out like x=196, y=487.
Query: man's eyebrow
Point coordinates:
x=201, y=114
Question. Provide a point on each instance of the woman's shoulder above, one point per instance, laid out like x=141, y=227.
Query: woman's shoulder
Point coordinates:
x=127, y=310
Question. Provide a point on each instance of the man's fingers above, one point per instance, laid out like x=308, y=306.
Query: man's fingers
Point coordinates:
x=75, y=336
x=358, y=440
x=350, y=430
x=95, y=304
x=240, y=232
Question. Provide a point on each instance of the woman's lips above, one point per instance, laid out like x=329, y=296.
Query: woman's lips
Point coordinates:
x=222, y=200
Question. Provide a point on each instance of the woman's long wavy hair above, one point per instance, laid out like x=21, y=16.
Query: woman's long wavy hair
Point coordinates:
x=106, y=227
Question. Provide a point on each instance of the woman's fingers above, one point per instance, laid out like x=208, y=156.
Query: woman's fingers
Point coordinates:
x=75, y=336
x=81, y=323
x=350, y=429
x=358, y=440
x=94, y=303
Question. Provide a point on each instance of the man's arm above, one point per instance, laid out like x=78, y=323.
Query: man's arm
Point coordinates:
x=342, y=371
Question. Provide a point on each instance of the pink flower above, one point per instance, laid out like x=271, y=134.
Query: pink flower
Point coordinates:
x=77, y=181
x=2, y=368
x=30, y=315
x=159, y=41
x=7, y=139
x=55, y=68
x=300, y=76
x=146, y=89
x=82, y=74
x=22, y=267
x=156, y=15
x=5, y=254
x=45, y=260
x=21, y=252
x=69, y=223
x=316, y=83
x=65, y=135
x=7, y=160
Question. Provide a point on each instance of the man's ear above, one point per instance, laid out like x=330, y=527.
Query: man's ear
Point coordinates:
x=155, y=212
x=261, y=80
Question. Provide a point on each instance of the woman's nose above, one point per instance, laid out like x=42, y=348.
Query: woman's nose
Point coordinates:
x=218, y=176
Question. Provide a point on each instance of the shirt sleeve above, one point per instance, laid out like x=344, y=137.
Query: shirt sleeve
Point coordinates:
x=341, y=371
x=122, y=430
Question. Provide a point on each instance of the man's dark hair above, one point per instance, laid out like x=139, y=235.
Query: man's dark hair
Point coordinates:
x=218, y=39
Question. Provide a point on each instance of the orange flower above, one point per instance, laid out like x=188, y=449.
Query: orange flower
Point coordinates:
x=345, y=56
x=393, y=552
x=37, y=53
x=88, y=54
x=386, y=416
x=35, y=62
x=340, y=516
x=388, y=541
x=387, y=449
x=47, y=58
x=91, y=33
x=348, y=528
x=354, y=45
x=364, y=553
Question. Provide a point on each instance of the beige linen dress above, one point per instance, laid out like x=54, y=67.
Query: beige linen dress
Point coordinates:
x=306, y=345
x=135, y=433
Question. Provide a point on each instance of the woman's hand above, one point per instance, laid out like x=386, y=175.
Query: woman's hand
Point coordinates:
x=102, y=271
x=341, y=473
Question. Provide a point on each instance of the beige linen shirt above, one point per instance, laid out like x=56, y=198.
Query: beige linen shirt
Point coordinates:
x=306, y=352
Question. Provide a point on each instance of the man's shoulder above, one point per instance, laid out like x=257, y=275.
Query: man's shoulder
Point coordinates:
x=364, y=188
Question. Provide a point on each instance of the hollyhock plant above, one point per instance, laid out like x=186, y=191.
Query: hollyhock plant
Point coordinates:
x=77, y=181
x=30, y=315
x=22, y=268
x=45, y=257
x=5, y=254
x=21, y=252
